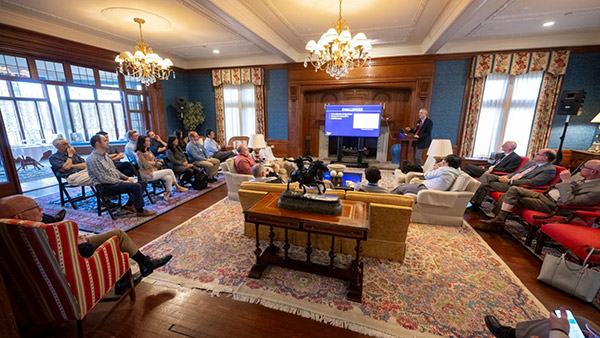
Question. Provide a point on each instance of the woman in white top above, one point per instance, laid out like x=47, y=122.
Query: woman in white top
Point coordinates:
x=149, y=167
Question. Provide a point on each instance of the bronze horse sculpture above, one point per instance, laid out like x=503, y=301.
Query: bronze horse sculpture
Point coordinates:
x=307, y=177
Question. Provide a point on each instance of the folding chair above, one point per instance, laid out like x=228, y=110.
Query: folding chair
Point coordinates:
x=64, y=194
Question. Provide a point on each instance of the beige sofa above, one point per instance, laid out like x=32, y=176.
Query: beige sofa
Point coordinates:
x=389, y=219
x=441, y=207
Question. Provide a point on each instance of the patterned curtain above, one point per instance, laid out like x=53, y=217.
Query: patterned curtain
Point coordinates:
x=554, y=66
x=236, y=77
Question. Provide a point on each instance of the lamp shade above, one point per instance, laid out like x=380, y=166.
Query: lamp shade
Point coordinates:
x=596, y=119
x=257, y=141
x=440, y=148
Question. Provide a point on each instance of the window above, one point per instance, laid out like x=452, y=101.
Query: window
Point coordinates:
x=109, y=79
x=52, y=71
x=93, y=110
x=240, y=112
x=83, y=75
x=132, y=83
x=507, y=111
x=14, y=66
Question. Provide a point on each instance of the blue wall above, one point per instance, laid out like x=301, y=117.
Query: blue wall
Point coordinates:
x=172, y=89
x=449, y=83
x=200, y=89
x=277, y=104
x=583, y=72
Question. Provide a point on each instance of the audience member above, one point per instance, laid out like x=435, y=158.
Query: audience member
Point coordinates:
x=266, y=155
x=260, y=175
x=373, y=175
x=537, y=172
x=422, y=135
x=115, y=155
x=196, y=152
x=441, y=177
x=568, y=192
x=150, y=168
x=243, y=161
x=179, y=161
x=157, y=146
x=68, y=164
x=109, y=181
x=507, y=162
x=132, y=137
x=180, y=138
x=214, y=149
x=552, y=327
x=25, y=208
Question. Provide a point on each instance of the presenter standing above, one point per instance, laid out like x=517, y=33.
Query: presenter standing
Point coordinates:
x=422, y=135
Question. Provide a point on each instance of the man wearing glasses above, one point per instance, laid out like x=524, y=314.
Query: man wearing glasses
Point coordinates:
x=584, y=192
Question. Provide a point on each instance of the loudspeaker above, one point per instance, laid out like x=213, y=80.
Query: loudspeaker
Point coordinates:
x=570, y=101
x=180, y=103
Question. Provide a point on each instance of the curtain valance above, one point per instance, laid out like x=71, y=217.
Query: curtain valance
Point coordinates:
x=553, y=62
x=238, y=76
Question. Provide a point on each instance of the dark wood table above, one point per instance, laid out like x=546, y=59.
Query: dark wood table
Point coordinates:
x=353, y=223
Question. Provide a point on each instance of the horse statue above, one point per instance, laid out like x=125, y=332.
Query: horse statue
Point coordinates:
x=307, y=177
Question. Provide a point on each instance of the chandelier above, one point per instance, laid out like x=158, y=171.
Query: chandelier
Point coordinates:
x=144, y=64
x=337, y=52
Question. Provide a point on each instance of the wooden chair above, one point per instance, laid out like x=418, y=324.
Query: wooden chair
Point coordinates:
x=104, y=203
x=49, y=280
x=235, y=140
x=65, y=198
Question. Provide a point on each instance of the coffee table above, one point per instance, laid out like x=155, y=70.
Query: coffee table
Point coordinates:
x=353, y=223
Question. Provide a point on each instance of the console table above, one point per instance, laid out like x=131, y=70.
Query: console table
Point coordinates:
x=353, y=223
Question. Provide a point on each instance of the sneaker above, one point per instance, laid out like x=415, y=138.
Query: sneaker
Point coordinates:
x=151, y=264
x=145, y=213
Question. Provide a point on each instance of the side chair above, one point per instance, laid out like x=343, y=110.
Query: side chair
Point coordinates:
x=63, y=187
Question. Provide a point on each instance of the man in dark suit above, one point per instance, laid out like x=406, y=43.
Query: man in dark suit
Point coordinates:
x=585, y=192
x=422, y=135
x=537, y=172
x=507, y=162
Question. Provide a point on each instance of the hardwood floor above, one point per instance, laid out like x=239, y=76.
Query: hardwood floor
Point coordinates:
x=161, y=311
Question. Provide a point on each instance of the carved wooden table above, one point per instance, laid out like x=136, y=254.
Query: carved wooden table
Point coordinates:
x=353, y=223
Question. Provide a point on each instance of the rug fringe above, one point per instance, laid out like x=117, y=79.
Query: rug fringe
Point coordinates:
x=165, y=279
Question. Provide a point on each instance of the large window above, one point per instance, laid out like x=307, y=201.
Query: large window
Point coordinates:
x=240, y=111
x=507, y=112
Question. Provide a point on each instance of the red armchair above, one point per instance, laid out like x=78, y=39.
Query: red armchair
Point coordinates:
x=47, y=279
x=576, y=238
x=524, y=161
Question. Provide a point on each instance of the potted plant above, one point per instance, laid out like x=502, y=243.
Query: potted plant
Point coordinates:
x=193, y=116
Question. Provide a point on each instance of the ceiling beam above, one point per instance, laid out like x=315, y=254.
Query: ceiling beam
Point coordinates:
x=236, y=17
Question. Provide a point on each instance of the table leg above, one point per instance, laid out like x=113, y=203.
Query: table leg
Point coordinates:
x=355, y=285
x=272, y=247
x=332, y=253
x=257, y=268
x=308, y=249
x=286, y=245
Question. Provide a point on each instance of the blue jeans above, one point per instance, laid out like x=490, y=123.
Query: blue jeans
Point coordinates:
x=134, y=190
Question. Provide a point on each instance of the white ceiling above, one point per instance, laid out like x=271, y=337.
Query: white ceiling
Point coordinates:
x=249, y=32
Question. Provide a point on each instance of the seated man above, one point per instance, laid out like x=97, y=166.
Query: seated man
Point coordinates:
x=157, y=146
x=537, y=172
x=568, y=192
x=25, y=208
x=109, y=181
x=507, y=162
x=125, y=167
x=214, y=149
x=373, y=175
x=130, y=147
x=441, y=177
x=68, y=164
x=243, y=161
x=199, y=157
x=266, y=155
x=260, y=175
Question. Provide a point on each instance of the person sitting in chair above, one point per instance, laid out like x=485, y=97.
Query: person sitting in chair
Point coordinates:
x=115, y=155
x=373, y=175
x=157, y=145
x=243, y=161
x=214, y=149
x=68, y=164
x=507, y=162
x=179, y=161
x=441, y=177
x=132, y=137
x=260, y=175
x=196, y=153
x=25, y=208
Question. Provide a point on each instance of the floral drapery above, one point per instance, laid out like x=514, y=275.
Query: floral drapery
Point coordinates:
x=236, y=77
x=554, y=66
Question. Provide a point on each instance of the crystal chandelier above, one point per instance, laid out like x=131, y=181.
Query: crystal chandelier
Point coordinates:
x=144, y=64
x=337, y=52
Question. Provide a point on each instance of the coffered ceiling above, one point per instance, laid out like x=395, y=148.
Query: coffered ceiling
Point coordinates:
x=249, y=32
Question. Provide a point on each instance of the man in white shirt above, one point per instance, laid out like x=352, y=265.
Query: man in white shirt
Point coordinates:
x=130, y=151
x=441, y=177
x=214, y=149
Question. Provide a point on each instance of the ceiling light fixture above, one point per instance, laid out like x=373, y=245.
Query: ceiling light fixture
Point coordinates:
x=337, y=52
x=144, y=64
x=216, y=51
x=549, y=23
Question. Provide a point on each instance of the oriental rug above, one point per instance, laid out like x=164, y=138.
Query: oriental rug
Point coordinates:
x=449, y=280
x=86, y=215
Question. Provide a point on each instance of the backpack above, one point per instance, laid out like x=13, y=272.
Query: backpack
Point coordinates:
x=200, y=181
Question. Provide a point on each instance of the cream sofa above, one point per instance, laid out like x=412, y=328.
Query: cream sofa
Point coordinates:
x=441, y=207
x=233, y=179
x=389, y=217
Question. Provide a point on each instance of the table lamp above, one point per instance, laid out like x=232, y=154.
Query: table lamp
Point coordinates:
x=257, y=141
x=596, y=145
x=437, y=151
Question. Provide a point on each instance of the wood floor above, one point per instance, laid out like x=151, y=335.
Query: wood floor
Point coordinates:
x=161, y=311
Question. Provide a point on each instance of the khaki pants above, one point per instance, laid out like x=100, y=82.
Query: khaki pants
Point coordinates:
x=79, y=178
x=125, y=243
x=211, y=165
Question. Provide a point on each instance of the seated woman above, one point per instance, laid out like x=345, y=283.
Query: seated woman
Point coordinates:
x=149, y=167
x=179, y=161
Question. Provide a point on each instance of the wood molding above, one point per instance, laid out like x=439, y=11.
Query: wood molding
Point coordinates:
x=280, y=147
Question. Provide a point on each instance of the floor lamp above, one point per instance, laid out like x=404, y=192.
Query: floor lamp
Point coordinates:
x=437, y=150
x=596, y=145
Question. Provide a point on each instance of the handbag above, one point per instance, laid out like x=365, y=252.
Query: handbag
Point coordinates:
x=572, y=278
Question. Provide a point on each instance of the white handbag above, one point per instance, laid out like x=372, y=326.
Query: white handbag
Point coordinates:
x=572, y=278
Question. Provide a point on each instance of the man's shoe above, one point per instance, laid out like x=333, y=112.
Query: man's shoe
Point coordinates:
x=60, y=215
x=123, y=284
x=129, y=208
x=473, y=208
x=151, y=264
x=145, y=213
x=497, y=329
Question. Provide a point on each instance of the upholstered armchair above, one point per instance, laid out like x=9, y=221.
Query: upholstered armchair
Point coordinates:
x=47, y=279
x=233, y=179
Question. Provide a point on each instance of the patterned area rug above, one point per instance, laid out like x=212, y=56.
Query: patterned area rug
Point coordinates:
x=448, y=282
x=86, y=215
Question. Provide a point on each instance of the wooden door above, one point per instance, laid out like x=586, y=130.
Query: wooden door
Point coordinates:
x=9, y=180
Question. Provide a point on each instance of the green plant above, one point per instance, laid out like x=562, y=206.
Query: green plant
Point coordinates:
x=193, y=116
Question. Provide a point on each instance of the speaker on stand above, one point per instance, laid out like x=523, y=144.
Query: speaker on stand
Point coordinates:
x=569, y=103
x=181, y=105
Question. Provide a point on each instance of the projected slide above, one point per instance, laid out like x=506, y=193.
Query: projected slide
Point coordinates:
x=352, y=120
